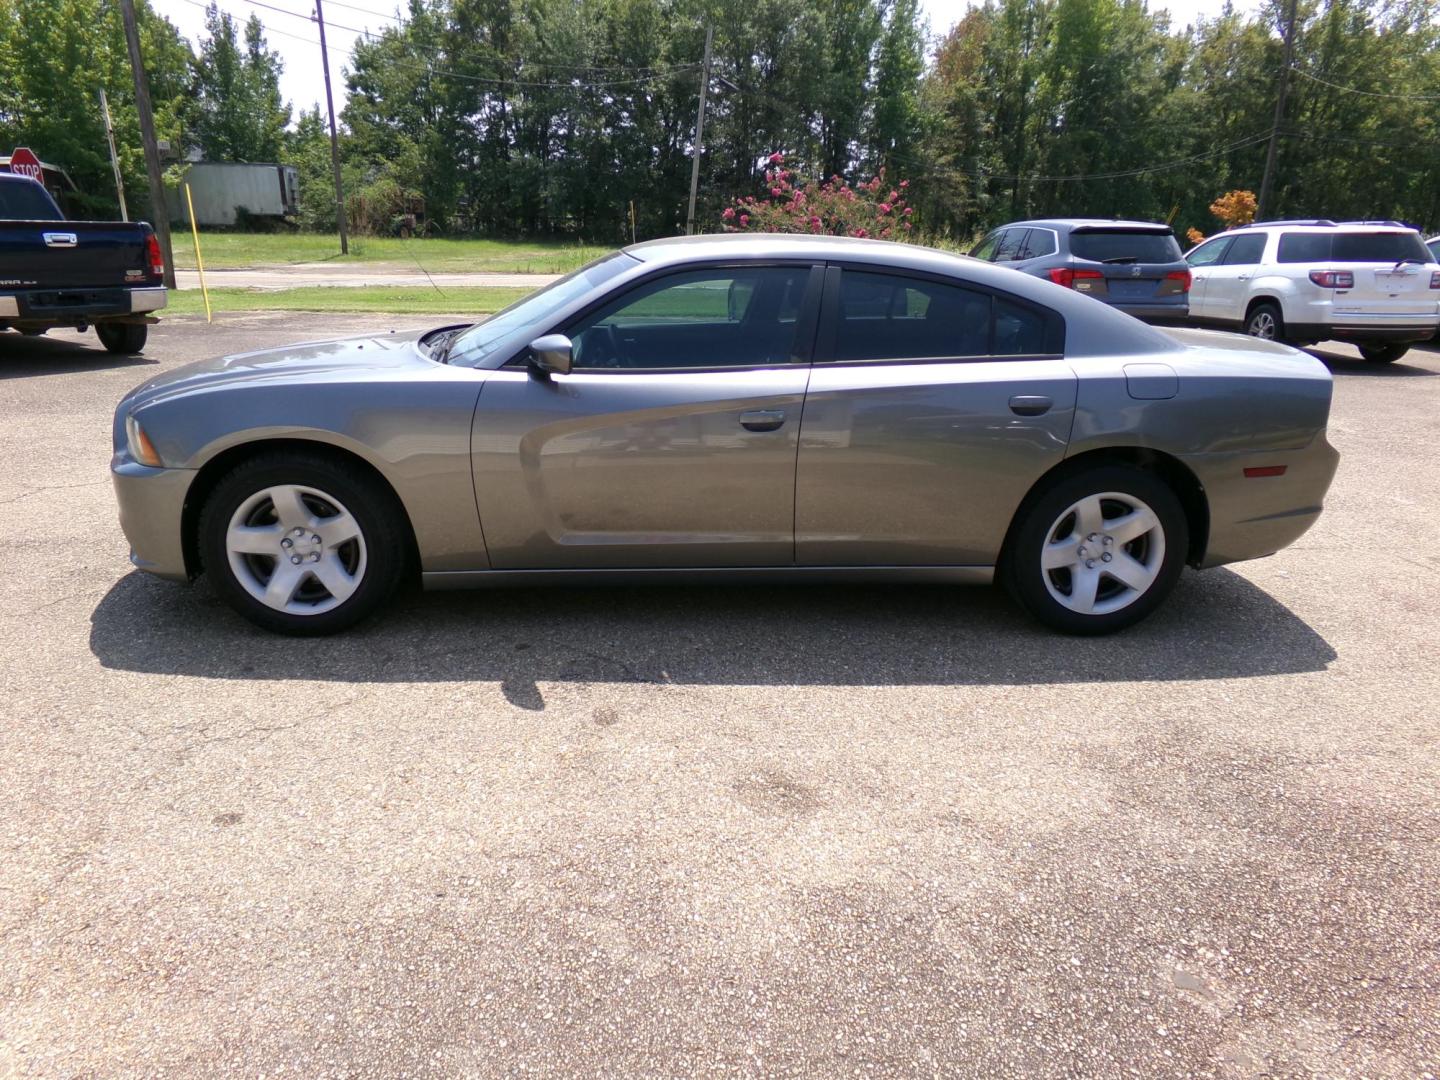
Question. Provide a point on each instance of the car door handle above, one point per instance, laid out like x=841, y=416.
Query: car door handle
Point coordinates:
x=61, y=239
x=1242, y=277
x=762, y=419
x=1030, y=405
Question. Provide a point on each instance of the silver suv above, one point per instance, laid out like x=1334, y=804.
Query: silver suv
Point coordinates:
x=1372, y=283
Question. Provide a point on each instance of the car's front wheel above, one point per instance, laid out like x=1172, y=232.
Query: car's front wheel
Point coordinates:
x=300, y=544
x=1097, y=551
x=1383, y=353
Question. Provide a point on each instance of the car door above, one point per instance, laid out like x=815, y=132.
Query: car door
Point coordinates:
x=1203, y=261
x=1227, y=285
x=933, y=407
x=672, y=441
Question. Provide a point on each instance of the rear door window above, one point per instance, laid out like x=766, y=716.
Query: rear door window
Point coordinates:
x=1245, y=250
x=889, y=317
x=1038, y=244
x=1304, y=247
x=1008, y=250
x=1120, y=245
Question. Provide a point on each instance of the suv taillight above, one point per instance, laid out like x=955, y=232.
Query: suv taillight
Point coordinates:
x=1064, y=275
x=1435, y=279
x=153, y=256
x=1333, y=279
x=1182, y=276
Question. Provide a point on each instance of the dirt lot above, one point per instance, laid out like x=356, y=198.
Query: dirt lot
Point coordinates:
x=822, y=832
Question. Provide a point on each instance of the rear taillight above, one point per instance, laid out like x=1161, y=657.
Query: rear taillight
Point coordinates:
x=153, y=256
x=1182, y=276
x=1333, y=279
x=1435, y=279
x=1064, y=275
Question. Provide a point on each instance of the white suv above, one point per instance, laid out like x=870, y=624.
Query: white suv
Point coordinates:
x=1375, y=284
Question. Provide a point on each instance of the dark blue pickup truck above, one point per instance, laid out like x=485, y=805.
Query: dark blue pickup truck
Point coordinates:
x=53, y=272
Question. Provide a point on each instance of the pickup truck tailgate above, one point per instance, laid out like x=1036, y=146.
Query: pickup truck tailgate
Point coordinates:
x=72, y=254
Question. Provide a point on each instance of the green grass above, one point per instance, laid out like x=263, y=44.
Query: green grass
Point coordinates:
x=399, y=299
x=230, y=250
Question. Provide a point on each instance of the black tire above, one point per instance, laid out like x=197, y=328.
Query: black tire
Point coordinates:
x=1021, y=568
x=1383, y=354
x=1264, y=322
x=382, y=529
x=122, y=337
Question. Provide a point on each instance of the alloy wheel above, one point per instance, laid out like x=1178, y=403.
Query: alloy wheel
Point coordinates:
x=296, y=549
x=1103, y=553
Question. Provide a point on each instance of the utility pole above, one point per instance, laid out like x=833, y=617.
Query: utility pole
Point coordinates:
x=114, y=160
x=699, y=132
x=147, y=135
x=334, y=139
x=1267, y=183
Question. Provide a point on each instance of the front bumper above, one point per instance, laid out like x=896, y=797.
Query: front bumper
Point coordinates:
x=152, y=505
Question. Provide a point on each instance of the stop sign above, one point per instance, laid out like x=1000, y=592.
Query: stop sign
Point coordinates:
x=24, y=162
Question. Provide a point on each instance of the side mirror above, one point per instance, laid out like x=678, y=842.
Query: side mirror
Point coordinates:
x=552, y=354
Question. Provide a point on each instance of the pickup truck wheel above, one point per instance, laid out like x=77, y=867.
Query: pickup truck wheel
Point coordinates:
x=1098, y=551
x=1383, y=354
x=301, y=545
x=122, y=337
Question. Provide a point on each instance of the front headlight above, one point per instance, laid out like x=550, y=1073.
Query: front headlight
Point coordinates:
x=141, y=448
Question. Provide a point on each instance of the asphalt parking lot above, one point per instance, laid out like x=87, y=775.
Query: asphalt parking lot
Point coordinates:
x=819, y=831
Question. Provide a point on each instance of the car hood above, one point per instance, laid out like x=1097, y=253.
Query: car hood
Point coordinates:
x=374, y=355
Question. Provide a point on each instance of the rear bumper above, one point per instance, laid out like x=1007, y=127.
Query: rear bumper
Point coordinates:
x=69, y=307
x=1251, y=517
x=1411, y=329
x=1154, y=311
x=151, y=503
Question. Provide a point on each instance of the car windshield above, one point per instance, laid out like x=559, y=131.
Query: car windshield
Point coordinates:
x=482, y=339
x=1115, y=245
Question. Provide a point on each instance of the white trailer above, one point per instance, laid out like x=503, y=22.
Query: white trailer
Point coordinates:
x=222, y=189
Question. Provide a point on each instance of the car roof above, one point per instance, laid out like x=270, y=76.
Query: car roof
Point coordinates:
x=1092, y=327
x=1089, y=223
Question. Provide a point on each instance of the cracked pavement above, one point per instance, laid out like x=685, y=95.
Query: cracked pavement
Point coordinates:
x=751, y=832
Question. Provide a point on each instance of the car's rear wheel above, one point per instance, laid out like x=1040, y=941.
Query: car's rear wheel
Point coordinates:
x=122, y=337
x=301, y=544
x=1264, y=323
x=1097, y=551
x=1383, y=354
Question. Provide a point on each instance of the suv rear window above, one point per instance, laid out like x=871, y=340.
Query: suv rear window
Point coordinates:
x=1377, y=247
x=1118, y=245
x=25, y=200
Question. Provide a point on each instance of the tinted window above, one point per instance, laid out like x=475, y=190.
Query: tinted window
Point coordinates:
x=1209, y=253
x=1009, y=246
x=1019, y=331
x=1385, y=247
x=1119, y=245
x=894, y=318
x=1434, y=246
x=1038, y=243
x=25, y=200
x=698, y=319
x=1378, y=247
x=1304, y=247
x=1246, y=250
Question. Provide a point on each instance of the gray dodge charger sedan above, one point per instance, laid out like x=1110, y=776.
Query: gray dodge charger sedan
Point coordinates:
x=738, y=408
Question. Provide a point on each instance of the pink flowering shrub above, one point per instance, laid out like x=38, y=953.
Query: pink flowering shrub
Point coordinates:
x=834, y=207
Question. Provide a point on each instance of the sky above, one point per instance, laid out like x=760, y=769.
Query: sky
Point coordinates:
x=295, y=37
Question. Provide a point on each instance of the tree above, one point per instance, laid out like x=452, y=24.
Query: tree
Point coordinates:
x=242, y=116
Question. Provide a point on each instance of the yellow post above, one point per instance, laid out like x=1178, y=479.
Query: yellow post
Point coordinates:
x=199, y=263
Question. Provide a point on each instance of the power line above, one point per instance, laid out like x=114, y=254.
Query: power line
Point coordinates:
x=1363, y=93
x=574, y=84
